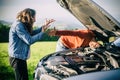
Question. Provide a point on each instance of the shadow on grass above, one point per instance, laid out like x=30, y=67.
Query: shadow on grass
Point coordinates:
x=6, y=73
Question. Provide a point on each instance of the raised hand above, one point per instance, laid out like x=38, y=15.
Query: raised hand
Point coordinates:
x=47, y=24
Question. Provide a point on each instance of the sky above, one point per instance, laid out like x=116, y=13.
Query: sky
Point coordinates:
x=44, y=8
x=50, y=9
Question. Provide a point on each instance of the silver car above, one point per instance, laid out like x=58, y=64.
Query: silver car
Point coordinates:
x=85, y=63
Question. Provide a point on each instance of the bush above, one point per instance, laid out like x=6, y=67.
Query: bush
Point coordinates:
x=49, y=38
x=4, y=32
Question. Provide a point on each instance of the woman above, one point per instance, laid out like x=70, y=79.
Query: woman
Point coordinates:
x=21, y=36
x=70, y=39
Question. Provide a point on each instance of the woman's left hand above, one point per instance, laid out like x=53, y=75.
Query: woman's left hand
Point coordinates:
x=47, y=24
x=52, y=32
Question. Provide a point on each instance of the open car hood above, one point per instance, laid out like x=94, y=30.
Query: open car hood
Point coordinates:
x=90, y=13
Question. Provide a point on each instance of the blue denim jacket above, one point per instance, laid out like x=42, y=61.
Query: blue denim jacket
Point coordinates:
x=20, y=40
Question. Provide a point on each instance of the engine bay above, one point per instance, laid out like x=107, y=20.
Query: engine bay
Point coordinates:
x=76, y=62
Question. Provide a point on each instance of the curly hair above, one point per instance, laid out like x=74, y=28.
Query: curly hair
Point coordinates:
x=26, y=17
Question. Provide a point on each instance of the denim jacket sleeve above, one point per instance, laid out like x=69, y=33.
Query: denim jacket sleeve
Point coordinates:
x=25, y=36
x=36, y=31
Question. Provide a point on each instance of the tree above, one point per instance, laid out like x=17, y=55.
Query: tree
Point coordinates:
x=4, y=32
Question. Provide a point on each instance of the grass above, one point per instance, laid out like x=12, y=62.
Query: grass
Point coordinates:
x=38, y=50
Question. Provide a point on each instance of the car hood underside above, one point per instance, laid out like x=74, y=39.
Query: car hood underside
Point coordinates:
x=90, y=13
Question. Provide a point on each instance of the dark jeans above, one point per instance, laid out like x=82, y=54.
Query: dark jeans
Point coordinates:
x=20, y=68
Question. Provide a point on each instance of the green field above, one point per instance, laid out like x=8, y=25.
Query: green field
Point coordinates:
x=38, y=50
